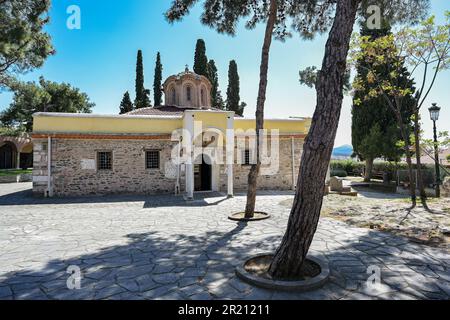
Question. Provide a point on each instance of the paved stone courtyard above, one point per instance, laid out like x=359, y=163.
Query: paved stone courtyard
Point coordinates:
x=160, y=247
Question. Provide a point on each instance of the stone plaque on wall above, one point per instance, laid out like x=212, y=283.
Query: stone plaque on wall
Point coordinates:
x=87, y=164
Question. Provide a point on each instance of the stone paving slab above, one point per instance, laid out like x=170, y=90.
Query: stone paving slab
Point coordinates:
x=160, y=247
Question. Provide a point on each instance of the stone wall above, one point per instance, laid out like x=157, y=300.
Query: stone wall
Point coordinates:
x=281, y=180
x=74, y=168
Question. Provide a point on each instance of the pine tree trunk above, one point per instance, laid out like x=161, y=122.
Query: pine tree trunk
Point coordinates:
x=420, y=185
x=368, y=172
x=255, y=168
x=318, y=146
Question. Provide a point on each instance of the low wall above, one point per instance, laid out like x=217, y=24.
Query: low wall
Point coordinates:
x=16, y=178
x=445, y=192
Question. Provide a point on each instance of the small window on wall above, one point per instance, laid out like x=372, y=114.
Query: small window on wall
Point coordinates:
x=104, y=160
x=188, y=93
x=246, y=159
x=152, y=159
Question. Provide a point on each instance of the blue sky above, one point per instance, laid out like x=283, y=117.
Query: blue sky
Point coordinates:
x=100, y=58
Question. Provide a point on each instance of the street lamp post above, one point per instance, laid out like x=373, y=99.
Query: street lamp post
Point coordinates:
x=434, y=115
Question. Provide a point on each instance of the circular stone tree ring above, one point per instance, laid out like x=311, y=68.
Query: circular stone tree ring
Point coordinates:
x=240, y=216
x=285, y=285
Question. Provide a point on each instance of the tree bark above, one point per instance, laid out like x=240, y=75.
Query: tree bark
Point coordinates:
x=304, y=216
x=405, y=136
x=255, y=168
x=369, y=168
x=420, y=185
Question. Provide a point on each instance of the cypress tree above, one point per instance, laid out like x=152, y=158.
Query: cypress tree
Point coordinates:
x=141, y=100
x=216, y=96
x=126, y=105
x=233, y=96
x=200, y=59
x=157, y=82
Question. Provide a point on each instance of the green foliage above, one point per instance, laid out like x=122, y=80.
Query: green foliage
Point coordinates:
x=10, y=132
x=200, y=58
x=448, y=158
x=375, y=131
x=308, y=77
x=350, y=167
x=126, y=105
x=47, y=96
x=233, y=95
x=142, y=99
x=23, y=43
x=6, y=173
x=338, y=173
x=306, y=17
x=443, y=142
x=157, y=82
x=216, y=95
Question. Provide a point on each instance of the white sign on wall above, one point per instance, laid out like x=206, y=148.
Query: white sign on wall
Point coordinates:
x=87, y=164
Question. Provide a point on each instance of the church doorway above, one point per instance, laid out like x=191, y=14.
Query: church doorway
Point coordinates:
x=203, y=176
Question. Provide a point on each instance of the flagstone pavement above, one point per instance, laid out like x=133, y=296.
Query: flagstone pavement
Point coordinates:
x=161, y=247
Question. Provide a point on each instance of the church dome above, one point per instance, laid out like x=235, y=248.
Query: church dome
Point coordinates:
x=188, y=89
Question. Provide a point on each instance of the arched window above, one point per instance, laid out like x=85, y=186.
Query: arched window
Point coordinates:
x=188, y=93
x=173, y=96
x=202, y=95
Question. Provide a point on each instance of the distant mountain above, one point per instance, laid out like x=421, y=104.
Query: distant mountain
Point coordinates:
x=344, y=151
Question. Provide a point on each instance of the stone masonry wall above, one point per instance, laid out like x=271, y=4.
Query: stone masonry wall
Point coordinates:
x=74, y=168
x=282, y=180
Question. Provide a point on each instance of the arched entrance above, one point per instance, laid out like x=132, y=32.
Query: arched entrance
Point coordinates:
x=203, y=176
x=8, y=156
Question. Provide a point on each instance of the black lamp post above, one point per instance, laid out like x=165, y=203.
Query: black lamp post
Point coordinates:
x=434, y=115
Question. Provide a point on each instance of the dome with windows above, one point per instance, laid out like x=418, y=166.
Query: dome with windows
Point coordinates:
x=188, y=89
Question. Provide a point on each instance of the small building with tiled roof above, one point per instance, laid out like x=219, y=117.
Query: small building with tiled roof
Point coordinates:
x=181, y=147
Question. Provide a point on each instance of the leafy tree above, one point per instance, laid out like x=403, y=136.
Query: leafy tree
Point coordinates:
x=46, y=96
x=23, y=43
x=216, y=95
x=424, y=48
x=427, y=48
x=157, y=82
x=374, y=126
x=200, y=58
x=233, y=96
x=126, y=105
x=142, y=99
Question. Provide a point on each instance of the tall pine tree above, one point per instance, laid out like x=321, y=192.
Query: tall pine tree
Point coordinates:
x=374, y=125
x=233, y=95
x=142, y=99
x=200, y=59
x=216, y=95
x=157, y=82
x=126, y=105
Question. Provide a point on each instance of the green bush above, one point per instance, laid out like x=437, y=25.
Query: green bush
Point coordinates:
x=351, y=167
x=338, y=173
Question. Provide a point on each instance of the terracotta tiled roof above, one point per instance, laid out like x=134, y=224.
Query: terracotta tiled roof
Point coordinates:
x=163, y=111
